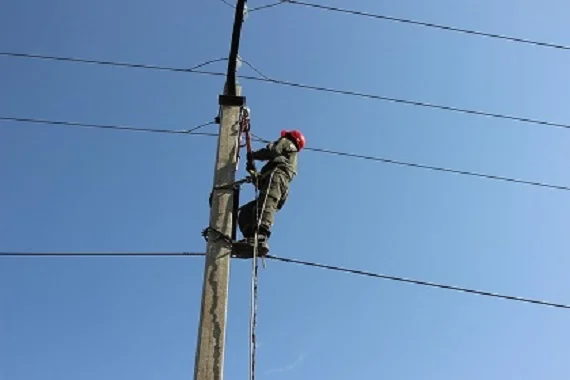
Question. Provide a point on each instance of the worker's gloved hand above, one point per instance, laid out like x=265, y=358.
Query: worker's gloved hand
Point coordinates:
x=250, y=167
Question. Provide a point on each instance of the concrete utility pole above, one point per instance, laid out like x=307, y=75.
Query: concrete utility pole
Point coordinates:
x=209, y=363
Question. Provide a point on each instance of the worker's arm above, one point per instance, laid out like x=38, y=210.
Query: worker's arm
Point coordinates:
x=272, y=150
x=264, y=154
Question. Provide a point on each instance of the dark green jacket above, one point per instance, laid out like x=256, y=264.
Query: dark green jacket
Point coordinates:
x=279, y=154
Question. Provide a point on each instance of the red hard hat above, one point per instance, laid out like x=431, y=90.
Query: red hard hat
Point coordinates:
x=297, y=136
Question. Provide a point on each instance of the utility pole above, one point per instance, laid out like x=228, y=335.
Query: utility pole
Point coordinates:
x=209, y=363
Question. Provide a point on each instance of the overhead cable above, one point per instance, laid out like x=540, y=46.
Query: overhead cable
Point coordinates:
x=108, y=63
x=261, y=7
x=298, y=262
x=441, y=169
x=418, y=282
x=429, y=25
x=403, y=101
x=106, y=254
x=228, y=4
x=429, y=167
x=191, y=131
x=317, y=150
x=311, y=87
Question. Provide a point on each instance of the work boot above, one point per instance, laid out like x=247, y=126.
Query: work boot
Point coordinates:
x=243, y=249
x=262, y=246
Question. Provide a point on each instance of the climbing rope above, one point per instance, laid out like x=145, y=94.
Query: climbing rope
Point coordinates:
x=254, y=272
x=253, y=312
x=245, y=130
x=254, y=277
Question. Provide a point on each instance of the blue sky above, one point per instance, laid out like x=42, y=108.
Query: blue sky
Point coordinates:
x=71, y=189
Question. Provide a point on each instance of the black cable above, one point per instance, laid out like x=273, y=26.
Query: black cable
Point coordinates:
x=191, y=131
x=108, y=63
x=207, y=63
x=309, y=87
x=228, y=4
x=418, y=282
x=403, y=101
x=429, y=25
x=77, y=254
x=291, y=261
x=266, y=79
x=255, y=69
x=231, y=73
x=265, y=7
x=318, y=150
x=428, y=167
x=441, y=169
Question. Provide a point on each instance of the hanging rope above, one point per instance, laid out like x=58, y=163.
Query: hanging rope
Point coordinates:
x=253, y=315
x=253, y=299
x=245, y=130
x=254, y=277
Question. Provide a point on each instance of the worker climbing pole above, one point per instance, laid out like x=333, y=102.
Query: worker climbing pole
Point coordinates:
x=256, y=218
x=271, y=185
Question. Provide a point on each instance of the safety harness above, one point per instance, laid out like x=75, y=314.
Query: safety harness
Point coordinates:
x=245, y=131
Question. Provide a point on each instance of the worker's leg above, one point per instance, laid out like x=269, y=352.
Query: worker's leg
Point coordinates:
x=248, y=213
x=247, y=219
x=270, y=200
x=273, y=192
x=246, y=223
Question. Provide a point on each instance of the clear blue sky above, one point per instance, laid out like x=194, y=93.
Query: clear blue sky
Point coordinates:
x=67, y=189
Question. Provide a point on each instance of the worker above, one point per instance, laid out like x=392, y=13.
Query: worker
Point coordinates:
x=273, y=188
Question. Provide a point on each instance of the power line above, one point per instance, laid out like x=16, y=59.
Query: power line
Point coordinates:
x=344, y=92
x=429, y=167
x=418, y=282
x=292, y=261
x=118, y=254
x=403, y=101
x=255, y=69
x=441, y=169
x=317, y=150
x=309, y=87
x=265, y=6
x=430, y=25
x=228, y=4
x=110, y=63
x=207, y=63
x=191, y=131
x=193, y=69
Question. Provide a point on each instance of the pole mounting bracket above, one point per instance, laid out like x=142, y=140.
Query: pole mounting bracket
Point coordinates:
x=231, y=100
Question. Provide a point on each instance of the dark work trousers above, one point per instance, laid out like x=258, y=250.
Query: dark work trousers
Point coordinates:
x=273, y=192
